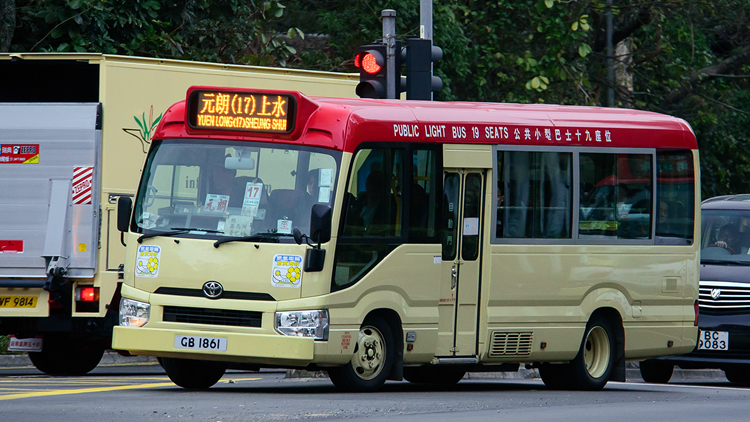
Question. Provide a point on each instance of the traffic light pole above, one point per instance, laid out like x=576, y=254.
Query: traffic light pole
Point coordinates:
x=389, y=39
x=425, y=24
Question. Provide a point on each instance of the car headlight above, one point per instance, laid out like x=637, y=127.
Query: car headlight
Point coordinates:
x=303, y=324
x=134, y=313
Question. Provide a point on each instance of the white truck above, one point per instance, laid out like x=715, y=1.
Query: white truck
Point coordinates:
x=74, y=130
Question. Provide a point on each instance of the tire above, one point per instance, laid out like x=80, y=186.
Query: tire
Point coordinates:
x=555, y=376
x=591, y=368
x=372, y=360
x=434, y=375
x=193, y=374
x=739, y=375
x=62, y=355
x=656, y=372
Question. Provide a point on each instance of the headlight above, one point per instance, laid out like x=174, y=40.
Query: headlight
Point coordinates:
x=303, y=324
x=134, y=313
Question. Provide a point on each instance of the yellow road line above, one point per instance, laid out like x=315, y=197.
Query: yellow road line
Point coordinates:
x=84, y=390
x=102, y=389
x=77, y=380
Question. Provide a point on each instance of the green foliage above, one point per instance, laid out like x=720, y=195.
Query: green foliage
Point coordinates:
x=688, y=58
x=552, y=51
x=230, y=31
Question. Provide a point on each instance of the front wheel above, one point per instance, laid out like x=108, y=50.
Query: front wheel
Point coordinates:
x=193, y=374
x=372, y=360
x=655, y=371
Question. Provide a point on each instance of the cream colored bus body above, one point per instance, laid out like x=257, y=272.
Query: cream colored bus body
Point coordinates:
x=547, y=292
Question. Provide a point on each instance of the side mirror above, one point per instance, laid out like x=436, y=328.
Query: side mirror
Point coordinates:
x=320, y=223
x=124, y=209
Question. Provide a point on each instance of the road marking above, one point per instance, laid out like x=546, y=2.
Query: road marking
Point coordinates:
x=103, y=389
x=84, y=390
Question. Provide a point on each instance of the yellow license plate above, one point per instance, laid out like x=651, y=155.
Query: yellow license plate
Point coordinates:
x=18, y=301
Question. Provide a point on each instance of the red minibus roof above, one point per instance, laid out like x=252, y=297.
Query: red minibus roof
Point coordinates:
x=343, y=124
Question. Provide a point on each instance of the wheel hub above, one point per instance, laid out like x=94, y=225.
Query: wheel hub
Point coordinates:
x=369, y=353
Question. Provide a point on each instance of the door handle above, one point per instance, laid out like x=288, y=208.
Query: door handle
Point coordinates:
x=454, y=278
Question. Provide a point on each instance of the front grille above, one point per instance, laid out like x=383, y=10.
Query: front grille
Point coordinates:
x=510, y=344
x=212, y=316
x=733, y=298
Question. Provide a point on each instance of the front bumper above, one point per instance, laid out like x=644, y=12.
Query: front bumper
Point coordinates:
x=274, y=350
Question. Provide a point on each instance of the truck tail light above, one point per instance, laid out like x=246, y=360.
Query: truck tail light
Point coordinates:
x=87, y=294
x=87, y=299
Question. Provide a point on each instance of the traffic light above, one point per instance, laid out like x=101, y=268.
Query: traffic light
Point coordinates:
x=373, y=71
x=419, y=55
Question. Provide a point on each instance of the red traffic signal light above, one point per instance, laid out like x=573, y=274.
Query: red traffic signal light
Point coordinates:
x=372, y=71
x=369, y=62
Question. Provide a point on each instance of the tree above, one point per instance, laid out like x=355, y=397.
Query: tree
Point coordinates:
x=687, y=58
x=229, y=31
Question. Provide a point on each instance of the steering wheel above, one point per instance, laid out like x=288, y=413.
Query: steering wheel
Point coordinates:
x=150, y=196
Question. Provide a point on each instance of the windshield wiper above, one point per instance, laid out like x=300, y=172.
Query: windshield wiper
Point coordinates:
x=724, y=262
x=176, y=230
x=252, y=238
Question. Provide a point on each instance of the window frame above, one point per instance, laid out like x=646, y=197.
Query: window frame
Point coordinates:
x=575, y=203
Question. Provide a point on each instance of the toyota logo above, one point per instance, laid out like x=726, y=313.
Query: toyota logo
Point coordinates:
x=213, y=289
x=715, y=293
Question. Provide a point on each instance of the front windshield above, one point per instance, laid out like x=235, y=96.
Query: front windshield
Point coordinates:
x=725, y=236
x=233, y=188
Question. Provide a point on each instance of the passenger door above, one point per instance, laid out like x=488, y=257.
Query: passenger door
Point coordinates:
x=463, y=192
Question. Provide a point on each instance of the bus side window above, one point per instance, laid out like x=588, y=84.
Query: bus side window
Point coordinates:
x=423, y=198
x=374, y=211
x=534, y=195
x=616, y=195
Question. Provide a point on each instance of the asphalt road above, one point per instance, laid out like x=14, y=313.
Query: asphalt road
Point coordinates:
x=142, y=392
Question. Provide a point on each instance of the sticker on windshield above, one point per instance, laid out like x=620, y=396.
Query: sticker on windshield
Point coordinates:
x=284, y=226
x=218, y=203
x=238, y=225
x=147, y=262
x=252, y=199
x=287, y=271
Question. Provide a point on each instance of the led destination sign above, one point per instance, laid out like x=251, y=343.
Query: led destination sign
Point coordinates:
x=241, y=111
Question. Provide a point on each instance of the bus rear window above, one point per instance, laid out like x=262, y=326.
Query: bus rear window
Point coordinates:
x=675, y=190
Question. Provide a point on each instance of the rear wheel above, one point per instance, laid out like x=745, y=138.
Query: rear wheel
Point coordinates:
x=62, y=355
x=372, y=360
x=193, y=374
x=591, y=368
x=555, y=376
x=655, y=371
x=434, y=375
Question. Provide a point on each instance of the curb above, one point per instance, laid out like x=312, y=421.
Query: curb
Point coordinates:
x=632, y=374
x=109, y=358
